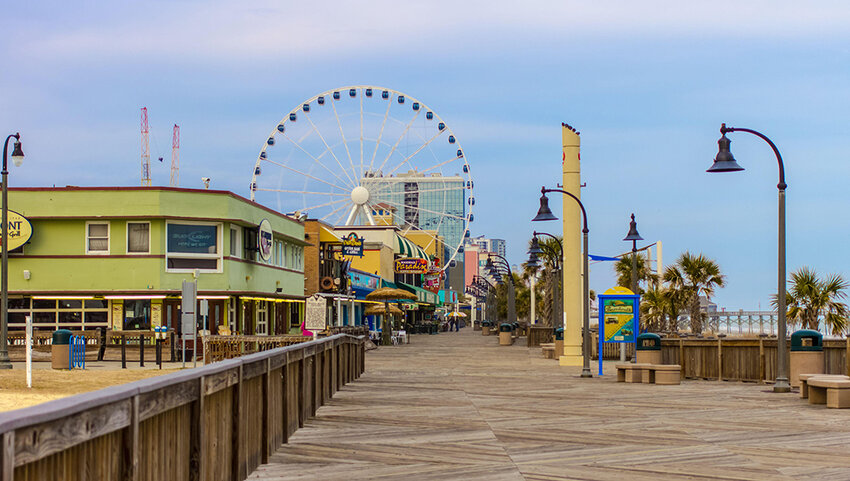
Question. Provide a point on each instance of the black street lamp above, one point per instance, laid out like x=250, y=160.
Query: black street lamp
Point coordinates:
x=545, y=213
x=634, y=237
x=503, y=263
x=725, y=162
x=557, y=311
x=18, y=159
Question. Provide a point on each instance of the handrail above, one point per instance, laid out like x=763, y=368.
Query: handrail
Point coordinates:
x=318, y=368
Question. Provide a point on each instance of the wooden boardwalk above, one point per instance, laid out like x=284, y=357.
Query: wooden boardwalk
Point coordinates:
x=458, y=406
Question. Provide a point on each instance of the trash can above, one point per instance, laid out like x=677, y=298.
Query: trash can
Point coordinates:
x=485, y=328
x=59, y=352
x=648, y=348
x=476, y=325
x=515, y=329
x=559, y=342
x=506, y=332
x=806, y=354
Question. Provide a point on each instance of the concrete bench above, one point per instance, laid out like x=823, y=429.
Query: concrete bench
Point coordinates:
x=664, y=374
x=835, y=393
x=804, y=386
x=548, y=350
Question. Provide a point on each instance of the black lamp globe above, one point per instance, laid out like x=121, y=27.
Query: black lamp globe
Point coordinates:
x=544, y=213
x=633, y=233
x=533, y=261
x=724, y=162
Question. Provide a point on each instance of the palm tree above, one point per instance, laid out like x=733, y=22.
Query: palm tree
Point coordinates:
x=808, y=298
x=623, y=268
x=653, y=309
x=691, y=277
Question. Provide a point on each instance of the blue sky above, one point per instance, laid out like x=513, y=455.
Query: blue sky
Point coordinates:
x=647, y=83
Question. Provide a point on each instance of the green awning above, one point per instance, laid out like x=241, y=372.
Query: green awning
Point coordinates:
x=406, y=248
x=422, y=295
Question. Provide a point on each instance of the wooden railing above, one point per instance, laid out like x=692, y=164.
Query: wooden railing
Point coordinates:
x=352, y=330
x=741, y=359
x=219, y=348
x=217, y=422
x=538, y=335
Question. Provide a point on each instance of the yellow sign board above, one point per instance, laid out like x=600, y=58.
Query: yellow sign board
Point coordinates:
x=20, y=230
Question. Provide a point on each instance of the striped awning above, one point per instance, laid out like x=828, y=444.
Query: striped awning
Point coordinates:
x=406, y=248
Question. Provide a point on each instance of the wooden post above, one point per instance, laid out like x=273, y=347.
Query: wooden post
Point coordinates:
x=130, y=441
x=123, y=351
x=719, y=359
x=197, y=460
x=761, y=360
x=236, y=460
x=284, y=375
x=847, y=357
x=266, y=432
x=682, y=358
x=141, y=350
x=302, y=392
x=8, y=467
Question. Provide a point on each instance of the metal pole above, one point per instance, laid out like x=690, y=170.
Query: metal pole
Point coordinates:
x=5, y=363
x=533, y=318
x=782, y=384
x=585, y=370
x=634, y=291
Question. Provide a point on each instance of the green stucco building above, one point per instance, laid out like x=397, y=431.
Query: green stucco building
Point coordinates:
x=117, y=257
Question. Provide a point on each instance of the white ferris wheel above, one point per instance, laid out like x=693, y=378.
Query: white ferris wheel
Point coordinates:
x=352, y=154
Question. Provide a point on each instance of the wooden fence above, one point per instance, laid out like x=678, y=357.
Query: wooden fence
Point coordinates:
x=742, y=359
x=217, y=422
x=538, y=335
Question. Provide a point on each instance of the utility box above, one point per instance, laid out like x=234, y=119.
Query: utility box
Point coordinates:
x=648, y=348
x=806, y=354
x=506, y=332
x=59, y=351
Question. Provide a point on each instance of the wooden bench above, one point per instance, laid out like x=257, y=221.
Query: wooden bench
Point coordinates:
x=548, y=350
x=835, y=393
x=663, y=374
x=804, y=386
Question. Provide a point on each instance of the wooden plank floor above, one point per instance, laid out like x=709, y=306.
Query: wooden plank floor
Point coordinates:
x=458, y=406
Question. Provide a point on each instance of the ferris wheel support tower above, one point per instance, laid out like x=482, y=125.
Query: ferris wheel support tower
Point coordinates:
x=146, y=152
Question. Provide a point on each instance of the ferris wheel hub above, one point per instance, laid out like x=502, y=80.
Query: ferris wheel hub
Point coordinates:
x=360, y=195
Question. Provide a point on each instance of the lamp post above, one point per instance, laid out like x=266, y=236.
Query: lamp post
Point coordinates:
x=18, y=159
x=725, y=162
x=545, y=213
x=494, y=268
x=634, y=237
x=557, y=308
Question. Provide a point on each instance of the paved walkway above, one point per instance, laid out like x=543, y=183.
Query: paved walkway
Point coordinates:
x=458, y=406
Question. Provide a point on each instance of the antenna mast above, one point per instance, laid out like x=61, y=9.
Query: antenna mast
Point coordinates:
x=146, y=153
x=175, y=157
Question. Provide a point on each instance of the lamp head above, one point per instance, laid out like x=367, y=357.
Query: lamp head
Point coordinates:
x=17, y=152
x=535, y=247
x=724, y=162
x=544, y=213
x=633, y=233
x=533, y=261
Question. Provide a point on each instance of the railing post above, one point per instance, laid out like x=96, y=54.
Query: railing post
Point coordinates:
x=130, y=443
x=761, y=359
x=197, y=435
x=284, y=377
x=8, y=446
x=682, y=358
x=236, y=460
x=719, y=359
x=266, y=432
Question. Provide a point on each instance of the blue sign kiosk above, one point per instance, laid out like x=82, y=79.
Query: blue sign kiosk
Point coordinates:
x=619, y=318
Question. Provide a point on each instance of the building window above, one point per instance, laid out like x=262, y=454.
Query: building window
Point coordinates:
x=235, y=241
x=52, y=314
x=138, y=237
x=97, y=238
x=191, y=246
x=137, y=314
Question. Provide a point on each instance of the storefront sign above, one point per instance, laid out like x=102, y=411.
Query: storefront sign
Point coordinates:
x=363, y=280
x=411, y=266
x=20, y=230
x=352, y=245
x=192, y=238
x=265, y=239
x=315, y=314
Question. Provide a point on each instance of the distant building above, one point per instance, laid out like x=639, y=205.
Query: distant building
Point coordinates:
x=496, y=246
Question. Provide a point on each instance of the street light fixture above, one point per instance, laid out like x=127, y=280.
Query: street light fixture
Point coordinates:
x=557, y=311
x=545, y=213
x=17, y=159
x=634, y=237
x=503, y=263
x=725, y=162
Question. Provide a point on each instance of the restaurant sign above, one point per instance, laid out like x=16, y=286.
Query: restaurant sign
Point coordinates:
x=352, y=245
x=265, y=239
x=411, y=266
x=19, y=230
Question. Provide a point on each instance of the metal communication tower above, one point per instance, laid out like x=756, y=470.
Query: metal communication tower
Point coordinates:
x=175, y=157
x=146, y=153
